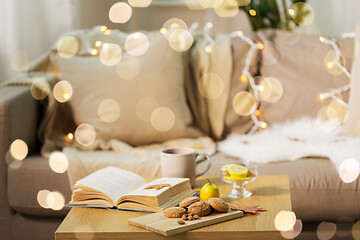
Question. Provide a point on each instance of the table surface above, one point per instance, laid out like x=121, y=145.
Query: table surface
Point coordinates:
x=269, y=192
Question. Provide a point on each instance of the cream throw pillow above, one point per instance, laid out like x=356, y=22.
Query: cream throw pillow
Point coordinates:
x=140, y=100
x=352, y=123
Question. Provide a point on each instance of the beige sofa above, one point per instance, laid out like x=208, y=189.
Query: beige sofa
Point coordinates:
x=317, y=192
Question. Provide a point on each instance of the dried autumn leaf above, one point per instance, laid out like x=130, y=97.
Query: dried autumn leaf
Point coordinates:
x=158, y=186
x=248, y=209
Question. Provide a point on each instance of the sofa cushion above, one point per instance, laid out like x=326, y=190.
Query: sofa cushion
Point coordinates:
x=300, y=64
x=316, y=189
x=139, y=100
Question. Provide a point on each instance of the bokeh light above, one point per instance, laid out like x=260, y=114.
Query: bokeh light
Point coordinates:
x=140, y=3
x=349, y=170
x=129, y=67
x=344, y=226
x=291, y=234
x=193, y=4
x=137, y=44
x=120, y=12
x=337, y=111
x=271, y=89
x=227, y=8
x=65, y=14
x=145, y=107
x=330, y=65
x=356, y=230
x=19, y=149
x=325, y=122
x=58, y=162
x=19, y=61
x=55, y=200
x=42, y=198
x=110, y=54
x=302, y=14
x=244, y=103
x=285, y=220
x=67, y=47
x=109, y=110
x=39, y=88
x=62, y=91
x=211, y=86
x=171, y=25
x=326, y=230
x=162, y=119
x=180, y=40
x=85, y=134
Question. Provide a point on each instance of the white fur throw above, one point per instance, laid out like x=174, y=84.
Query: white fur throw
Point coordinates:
x=291, y=141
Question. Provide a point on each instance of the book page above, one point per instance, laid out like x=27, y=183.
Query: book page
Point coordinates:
x=152, y=192
x=112, y=181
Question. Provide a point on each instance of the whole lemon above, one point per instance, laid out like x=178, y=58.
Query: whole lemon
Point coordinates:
x=209, y=190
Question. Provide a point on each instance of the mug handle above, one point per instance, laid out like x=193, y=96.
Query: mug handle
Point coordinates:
x=199, y=159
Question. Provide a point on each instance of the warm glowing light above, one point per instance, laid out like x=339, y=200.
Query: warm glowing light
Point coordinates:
x=263, y=125
x=244, y=103
x=42, y=198
x=329, y=65
x=339, y=111
x=70, y=136
x=103, y=28
x=211, y=86
x=85, y=134
x=19, y=61
x=257, y=113
x=291, y=11
x=137, y=44
x=40, y=88
x=110, y=54
x=170, y=24
x=145, y=107
x=209, y=24
x=301, y=7
x=321, y=96
x=252, y=12
x=163, y=30
x=67, y=47
x=120, y=12
x=62, y=91
x=55, y=200
x=107, y=32
x=240, y=33
x=285, y=220
x=226, y=8
x=322, y=39
x=109, y=110
x=271, y=89
x=98, y=43
x=260, y=46
x=208, y=49
x=180, y=40
x=19, y=149
x=291, y=234
x=162, y=119
x=94, y=52
x=324, y=119
x=174, y=25
x=349, y=170
x=244, y=78
x=58, y=162
x=128, y=67
x=326, y=230
x=140, y=3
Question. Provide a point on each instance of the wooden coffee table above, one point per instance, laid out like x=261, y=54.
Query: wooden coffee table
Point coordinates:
x=269, y=192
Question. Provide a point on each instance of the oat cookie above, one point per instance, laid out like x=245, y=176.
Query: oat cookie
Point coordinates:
x=200, y=208
x=218, y=204
x=174, y=212
x=188, y=201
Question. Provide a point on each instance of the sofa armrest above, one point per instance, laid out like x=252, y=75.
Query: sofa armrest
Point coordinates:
x=19, y=115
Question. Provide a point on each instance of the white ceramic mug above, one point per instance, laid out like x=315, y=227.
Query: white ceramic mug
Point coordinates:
x=182, y=162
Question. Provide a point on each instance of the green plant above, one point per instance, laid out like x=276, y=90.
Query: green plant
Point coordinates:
x=267, y=14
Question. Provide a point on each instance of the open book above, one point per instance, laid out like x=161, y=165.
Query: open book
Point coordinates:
x=115, y=188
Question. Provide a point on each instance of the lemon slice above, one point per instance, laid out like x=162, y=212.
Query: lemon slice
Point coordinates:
x=238, y=171
x=237, y=179
x=226, y=167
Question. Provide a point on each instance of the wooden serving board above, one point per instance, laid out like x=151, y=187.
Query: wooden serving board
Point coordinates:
x=158, y=223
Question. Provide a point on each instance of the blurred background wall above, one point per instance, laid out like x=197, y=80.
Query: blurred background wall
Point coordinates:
x=30, y=27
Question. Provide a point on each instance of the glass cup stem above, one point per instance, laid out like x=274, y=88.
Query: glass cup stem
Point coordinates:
x=239, y=191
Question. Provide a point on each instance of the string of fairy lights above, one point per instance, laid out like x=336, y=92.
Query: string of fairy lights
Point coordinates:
x=336, y=62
